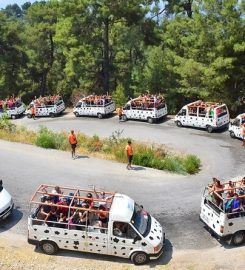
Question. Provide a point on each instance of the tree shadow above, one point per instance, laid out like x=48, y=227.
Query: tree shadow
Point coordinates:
x=11, y=220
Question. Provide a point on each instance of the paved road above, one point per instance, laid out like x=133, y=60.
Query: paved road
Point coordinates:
x=173, y=199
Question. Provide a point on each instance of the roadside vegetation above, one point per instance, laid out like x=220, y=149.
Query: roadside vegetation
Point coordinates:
x=113, y=148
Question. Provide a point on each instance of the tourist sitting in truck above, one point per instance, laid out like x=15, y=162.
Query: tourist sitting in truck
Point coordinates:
x=236, y=204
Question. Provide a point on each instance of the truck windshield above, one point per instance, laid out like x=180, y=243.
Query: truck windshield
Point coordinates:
x=141, y=220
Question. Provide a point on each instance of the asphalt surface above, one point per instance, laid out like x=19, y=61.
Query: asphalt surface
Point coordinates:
x=173, y=199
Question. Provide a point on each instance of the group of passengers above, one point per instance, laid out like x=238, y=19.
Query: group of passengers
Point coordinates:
x=60, y=211
x=45, y=101
x=229, y=196
x=96, y=100
x=147, y=101
x=206, y=109
x=9, y=103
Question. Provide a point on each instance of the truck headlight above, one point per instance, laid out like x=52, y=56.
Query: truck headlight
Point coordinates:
x=157, y=248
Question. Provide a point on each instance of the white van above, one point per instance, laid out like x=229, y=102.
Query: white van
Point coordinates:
x=235, y=126
x=93, y=105
x=220, y=217
x=53, y=109
x=115, y=225
x=150, y=109
x=208, y=115
x=14, y=111
x=6, y=203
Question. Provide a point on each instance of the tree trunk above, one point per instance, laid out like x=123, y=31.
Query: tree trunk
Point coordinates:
x=106, y=56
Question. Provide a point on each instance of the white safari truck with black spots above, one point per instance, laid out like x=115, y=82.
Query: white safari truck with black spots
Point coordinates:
x=96, y=222
x=199, y=114
x=235, y=127
x=223, y=211
x=93, y=105
x=150, y=108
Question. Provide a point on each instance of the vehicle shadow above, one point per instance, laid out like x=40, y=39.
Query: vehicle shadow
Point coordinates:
x=163, y=260
x=11, y=220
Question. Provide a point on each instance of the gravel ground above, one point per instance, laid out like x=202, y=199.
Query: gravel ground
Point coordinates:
x=17, y=254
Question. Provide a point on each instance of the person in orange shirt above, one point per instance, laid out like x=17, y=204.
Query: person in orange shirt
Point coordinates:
x=73, y=142
x=120, y=113
x=130, y=153
x=33, y=111
x=243, y=134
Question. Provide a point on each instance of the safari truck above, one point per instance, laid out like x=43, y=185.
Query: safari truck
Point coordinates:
x=223, y=211
x=6, y=202
x=208, y=115
x=235, y=126
x=150, y=108
x=91, y=221
x=13, y=110
x=47, y=106
x=94, y=105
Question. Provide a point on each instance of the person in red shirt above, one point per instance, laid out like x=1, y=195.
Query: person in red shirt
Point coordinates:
x=73, y=142
x=243, y=134
x=130, y=153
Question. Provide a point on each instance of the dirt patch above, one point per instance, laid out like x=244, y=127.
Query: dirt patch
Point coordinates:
x=17, y=254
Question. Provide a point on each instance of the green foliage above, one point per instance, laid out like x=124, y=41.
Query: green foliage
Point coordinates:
x=6, y=124
x=185, y=50
x=48, y=139
x=119, y=96
x=192, y=164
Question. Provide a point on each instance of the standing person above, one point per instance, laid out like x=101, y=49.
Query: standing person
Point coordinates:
x=130, y=153
x=243, y=134
x=33, y=111
x=120, y=113
x=73, y=142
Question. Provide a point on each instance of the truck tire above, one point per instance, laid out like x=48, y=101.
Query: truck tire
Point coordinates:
x=28, y=115
x=13, y=116
x=209, y=129
x=139, y=258
x=238, y=238
x=100, y=116
x=232, y=134
x=52, y=115
x=178, y=124
x=124, y=117
x=49, y=247
x=77, y=114
x=150, y=120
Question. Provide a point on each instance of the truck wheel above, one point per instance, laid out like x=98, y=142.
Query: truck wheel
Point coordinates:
x=51, y=115
x=150, y=120
x=77, y=114
x=49, y=247
x=238, y=238
x=209, y=129
x=100, y=116
x=139, y=258
x=13, y=116
x=232, y=134
x=124, y=117
x=28, y=115
x=178, y=124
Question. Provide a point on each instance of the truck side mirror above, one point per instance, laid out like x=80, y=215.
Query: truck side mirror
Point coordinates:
x=136, y=238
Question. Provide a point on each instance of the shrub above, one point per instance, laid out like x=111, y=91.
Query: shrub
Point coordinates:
x=192, y=164
x=95, y=144
x=6, y=125
x=45, y=138
x=144, y=159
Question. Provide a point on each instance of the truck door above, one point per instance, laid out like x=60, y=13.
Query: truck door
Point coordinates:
x=97, y=239
x=123, y=239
